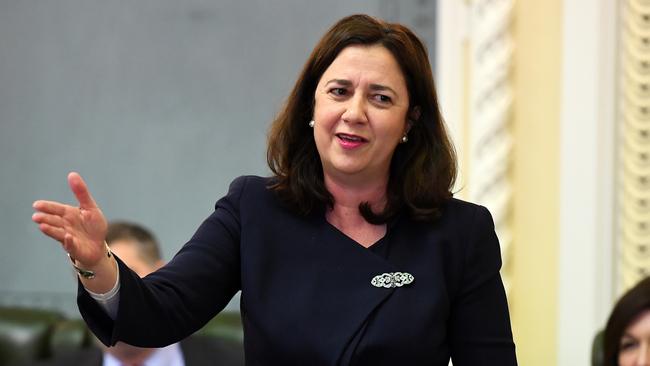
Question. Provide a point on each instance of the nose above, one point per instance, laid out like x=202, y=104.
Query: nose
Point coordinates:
x=355, y=109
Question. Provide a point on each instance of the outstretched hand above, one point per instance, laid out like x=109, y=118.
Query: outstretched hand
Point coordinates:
x=81, y=230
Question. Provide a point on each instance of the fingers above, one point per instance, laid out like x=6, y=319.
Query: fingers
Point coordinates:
x=55, y=233
x=80, y=190
x=50, y=207
x=52, y=220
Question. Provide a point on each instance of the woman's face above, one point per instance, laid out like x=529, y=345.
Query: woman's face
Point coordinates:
x=635, y=344
x=360, y=113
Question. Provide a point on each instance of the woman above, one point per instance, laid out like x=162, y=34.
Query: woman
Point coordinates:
x=354, y=252
x=627, y=335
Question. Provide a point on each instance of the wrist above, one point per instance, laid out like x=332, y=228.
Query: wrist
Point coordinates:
x=89, y=272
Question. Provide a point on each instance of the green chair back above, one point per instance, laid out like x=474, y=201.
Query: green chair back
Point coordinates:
x=25, y=334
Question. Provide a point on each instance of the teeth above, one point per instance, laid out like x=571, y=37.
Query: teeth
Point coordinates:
x=350, y=138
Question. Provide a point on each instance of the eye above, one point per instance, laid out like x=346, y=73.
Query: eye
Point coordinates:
x=338, y=91
x=383, y=99
x=628, y=344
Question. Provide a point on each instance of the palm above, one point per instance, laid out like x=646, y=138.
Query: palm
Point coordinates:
x=88, y=229
x=81, y=230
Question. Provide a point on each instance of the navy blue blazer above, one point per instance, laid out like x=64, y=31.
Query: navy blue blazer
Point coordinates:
x=307, y=297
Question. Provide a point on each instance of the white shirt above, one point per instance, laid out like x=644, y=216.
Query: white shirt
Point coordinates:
x=167, y=356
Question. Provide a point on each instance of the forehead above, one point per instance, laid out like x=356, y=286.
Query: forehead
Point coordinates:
x=359, y=63
x=640, y=326
x=127, y=250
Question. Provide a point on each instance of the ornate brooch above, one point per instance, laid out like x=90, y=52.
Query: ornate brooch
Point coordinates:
x=392, y=279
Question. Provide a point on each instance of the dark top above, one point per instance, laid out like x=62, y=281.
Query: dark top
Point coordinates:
x=306, y=288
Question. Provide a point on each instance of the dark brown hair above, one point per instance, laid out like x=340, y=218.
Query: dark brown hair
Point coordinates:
x=628, y=307
x=422, y=170
x=143, y=239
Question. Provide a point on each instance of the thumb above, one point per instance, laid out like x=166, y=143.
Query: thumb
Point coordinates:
x=68, y=245
x=80, y=190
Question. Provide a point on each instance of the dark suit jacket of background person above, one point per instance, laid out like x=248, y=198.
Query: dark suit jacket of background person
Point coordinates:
x=197, y=351
x=307, y=297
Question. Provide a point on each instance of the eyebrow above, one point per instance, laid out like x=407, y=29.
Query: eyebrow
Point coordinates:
x=628, y=336
x=375, y=87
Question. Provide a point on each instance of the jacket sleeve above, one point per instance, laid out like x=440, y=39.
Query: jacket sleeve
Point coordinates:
x=479, y=329
x=178, y=299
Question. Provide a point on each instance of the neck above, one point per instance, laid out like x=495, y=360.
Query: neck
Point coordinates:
x=348, y=195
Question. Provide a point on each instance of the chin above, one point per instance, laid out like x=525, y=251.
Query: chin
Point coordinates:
x=347, y=169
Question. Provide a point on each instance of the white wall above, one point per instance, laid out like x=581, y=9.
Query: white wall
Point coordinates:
x=587, y=176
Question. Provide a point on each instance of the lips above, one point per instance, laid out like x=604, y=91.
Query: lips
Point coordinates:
x=348, y=141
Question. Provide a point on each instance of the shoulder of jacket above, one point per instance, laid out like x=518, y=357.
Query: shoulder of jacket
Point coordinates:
x=251, y=183
x=457, y=207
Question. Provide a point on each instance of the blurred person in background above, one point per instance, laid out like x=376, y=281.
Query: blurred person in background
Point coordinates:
x=627, y=335
x=139, y=250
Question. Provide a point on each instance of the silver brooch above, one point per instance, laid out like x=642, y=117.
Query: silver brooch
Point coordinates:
x=392, y=279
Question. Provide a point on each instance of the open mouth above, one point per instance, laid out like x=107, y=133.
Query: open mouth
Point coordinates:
x=350, y=138
x=350, y=142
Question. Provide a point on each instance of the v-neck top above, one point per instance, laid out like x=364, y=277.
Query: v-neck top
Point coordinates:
x=380, y=247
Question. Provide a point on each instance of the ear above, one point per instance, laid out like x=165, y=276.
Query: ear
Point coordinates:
x=409, y=124
x=415, y=113
x=413, y=116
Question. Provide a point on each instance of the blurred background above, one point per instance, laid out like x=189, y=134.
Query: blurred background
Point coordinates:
x=160, y=104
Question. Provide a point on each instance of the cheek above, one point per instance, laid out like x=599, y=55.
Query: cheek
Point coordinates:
x=321, y=137
x=327, y=111
x=324, y=127
x=318, y=107
x=326, y=116
x=627, y=358
x=393, y=129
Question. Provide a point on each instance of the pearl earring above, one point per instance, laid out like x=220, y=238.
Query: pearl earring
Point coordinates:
x=405, y=138
x=312, y=123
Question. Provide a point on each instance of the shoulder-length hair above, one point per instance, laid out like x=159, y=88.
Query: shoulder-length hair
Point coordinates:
x=626, y=310
x=422, y=171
